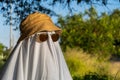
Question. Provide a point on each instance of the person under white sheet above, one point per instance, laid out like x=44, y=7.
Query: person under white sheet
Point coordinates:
x=37, y=55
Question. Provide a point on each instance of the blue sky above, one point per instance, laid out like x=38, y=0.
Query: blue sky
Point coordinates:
x=5, y=29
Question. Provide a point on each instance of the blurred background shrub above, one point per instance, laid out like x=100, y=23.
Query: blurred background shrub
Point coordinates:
x=84, y=66
x=94, y=34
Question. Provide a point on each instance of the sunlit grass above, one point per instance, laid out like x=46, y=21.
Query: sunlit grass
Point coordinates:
x=81, y=63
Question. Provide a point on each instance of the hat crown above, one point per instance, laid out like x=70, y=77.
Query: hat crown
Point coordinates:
x=33, y=19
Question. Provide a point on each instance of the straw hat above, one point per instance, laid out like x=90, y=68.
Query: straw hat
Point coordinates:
x=34, y=23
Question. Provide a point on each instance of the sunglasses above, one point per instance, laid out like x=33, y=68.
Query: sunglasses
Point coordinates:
x=44, y=36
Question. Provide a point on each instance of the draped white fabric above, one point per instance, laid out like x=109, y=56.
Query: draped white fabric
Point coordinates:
x=31, y=60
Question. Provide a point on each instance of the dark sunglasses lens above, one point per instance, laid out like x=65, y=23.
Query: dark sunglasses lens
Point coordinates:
x=55, y=37
x=43, y=37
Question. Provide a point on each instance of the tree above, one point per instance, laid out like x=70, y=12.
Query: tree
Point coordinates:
x=1, y=49
x=96, y=34
x=115, y=23
x=21, y=8
x=4, y=53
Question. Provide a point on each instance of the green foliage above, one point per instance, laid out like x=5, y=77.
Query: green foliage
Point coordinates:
x=96, y=76
x=93, y=76
x=1, y=49
x=96, y=35
x=4, y=53
x=115, y=23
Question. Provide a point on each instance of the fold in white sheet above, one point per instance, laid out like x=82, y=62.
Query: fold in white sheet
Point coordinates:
x=31, y=60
